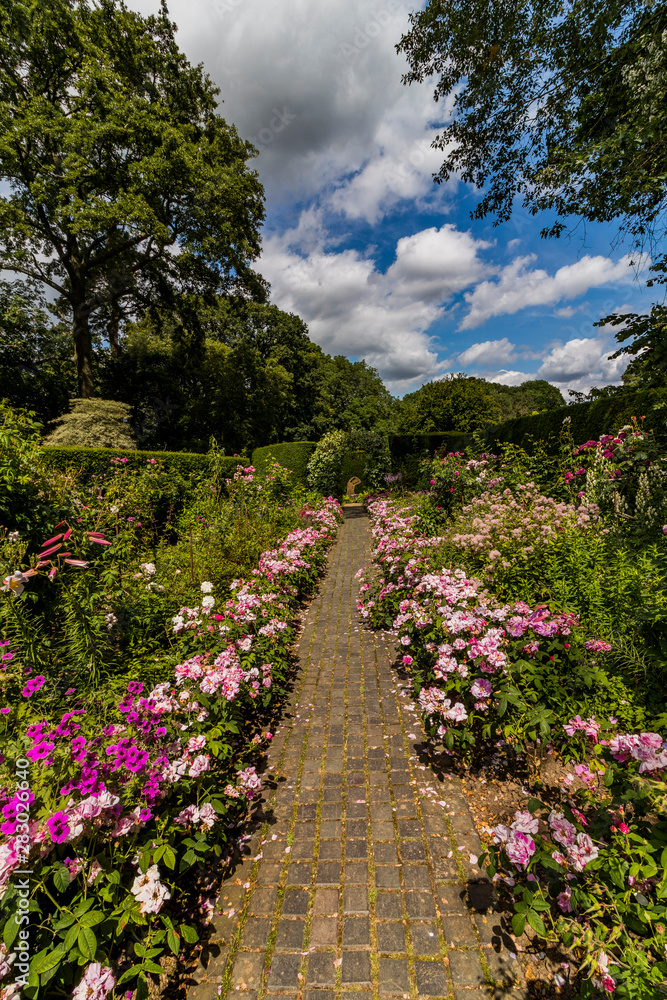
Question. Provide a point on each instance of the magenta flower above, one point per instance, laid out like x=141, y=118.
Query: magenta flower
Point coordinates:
x=58, y=827
x=33, y=685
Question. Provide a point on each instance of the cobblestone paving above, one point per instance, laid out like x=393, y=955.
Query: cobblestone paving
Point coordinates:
x=358, y=882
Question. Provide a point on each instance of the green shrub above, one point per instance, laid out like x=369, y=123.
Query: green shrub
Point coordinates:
x=27, y=498
x=89, y=462
x=292, y=455
x=93, y=423
x=324, y=467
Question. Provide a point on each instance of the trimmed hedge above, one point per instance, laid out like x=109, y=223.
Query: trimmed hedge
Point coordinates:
x=96, y=461
x=293, y=455
x=588, y=420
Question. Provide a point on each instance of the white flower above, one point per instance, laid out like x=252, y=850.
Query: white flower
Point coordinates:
x=114, y=510
x=148, y=568
x=206, y=587
x=14, y=583
x=208, y=601
x=13, y=536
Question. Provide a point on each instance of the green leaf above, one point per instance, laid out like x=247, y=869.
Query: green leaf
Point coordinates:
x=154, y=968
x=10, y=931
x=174, y=941
x=70, y=937
x=189, y=934
x=87, y=942
x=518, y=924
x=47, y=959
x=91, y=919
x=61, y=878
x=169, y=857
x=502, y=707
x=536, y=923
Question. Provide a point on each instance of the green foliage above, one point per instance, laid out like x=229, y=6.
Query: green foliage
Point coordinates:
x=594, y=75
x=112, y=151
x=25, y=497
x=454, y=403
x=527, y=398
x=292, y=455
x=93, y=423
x=35, y=353
x=351, y=396
x=587, y=421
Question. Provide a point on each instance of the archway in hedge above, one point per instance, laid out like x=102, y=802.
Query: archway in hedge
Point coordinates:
x=344, y=455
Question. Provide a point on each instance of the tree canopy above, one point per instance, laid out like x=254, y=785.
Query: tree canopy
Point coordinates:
x=560, y=102
x=565, y=105
x=125, y=184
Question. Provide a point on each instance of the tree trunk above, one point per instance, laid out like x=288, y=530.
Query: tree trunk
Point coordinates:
x=114, y=323
x=83, y=351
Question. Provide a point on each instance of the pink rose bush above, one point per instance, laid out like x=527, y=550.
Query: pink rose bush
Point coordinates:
x=588, y=869
x=470, y=655
x=123, y=809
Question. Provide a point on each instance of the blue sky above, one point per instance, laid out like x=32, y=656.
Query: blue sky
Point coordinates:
x=379, y=261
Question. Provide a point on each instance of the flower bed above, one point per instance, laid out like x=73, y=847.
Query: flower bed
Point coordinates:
x=124, y=812
x=588, y=867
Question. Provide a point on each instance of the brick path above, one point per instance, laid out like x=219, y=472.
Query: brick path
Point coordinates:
x=358, y=882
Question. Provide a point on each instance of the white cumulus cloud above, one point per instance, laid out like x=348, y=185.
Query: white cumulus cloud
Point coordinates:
x=517, y=287
x=488, y=353
x=353, y=308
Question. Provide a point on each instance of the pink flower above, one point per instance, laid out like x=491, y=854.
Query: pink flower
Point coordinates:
x=481, y=688
x=97, y=981
x=188, y=815
x=199, y=765
x=519, y=848
x=249, y=782
x=564, y=901
x=33, y=685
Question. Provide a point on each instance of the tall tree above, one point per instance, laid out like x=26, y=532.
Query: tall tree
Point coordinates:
x=125, y=184
x=454, y=403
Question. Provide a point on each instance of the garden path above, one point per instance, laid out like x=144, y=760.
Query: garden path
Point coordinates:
x=357, y=881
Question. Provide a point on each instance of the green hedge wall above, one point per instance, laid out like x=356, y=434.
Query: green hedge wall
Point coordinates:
x=96, y=461
x=293, y=455
x=588, y=420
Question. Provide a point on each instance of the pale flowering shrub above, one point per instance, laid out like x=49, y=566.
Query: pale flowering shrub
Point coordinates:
x=595, y=877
